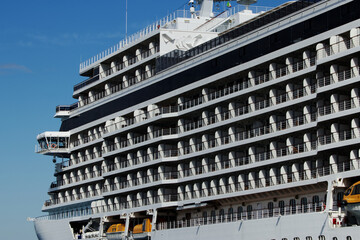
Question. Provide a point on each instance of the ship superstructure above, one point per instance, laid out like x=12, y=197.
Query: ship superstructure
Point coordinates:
x=238, y=124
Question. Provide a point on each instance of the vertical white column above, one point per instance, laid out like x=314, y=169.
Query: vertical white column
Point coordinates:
x=333, y=163
x=273, y=96
x=289, y=65
x=334, y=69
x=307, y=86
x=335, y=132
x=307, y=59
x=354, y=64
x=272, y=70
x=355, y=37
x=251, y=76
x=321, y=51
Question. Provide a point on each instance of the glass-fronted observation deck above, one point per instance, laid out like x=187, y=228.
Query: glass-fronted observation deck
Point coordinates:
x=53, y=143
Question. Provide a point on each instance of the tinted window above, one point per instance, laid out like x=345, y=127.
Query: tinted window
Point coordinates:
x=348, y=191
x=356, y=190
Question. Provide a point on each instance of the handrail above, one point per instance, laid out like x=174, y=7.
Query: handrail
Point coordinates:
x=136, y=37
x=118, y=67
x=285, y=178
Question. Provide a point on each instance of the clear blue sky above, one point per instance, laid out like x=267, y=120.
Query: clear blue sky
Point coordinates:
x=41, y=45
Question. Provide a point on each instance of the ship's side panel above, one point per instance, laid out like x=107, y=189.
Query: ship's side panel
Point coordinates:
x=285, y=227
x=53, y=229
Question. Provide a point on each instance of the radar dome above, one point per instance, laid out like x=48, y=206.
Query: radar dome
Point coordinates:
x=246, y=2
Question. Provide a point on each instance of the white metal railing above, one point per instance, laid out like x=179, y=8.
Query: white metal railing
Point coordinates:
x=218, y=19
x=247, y=214
x=344, y=105
x=338, y=47
x=285, y=178
x=136, y=37
x=339, y=106
x=156, y=26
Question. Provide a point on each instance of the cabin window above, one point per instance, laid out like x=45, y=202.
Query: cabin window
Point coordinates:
x=322, y=237
x=304, y=206
x=282, y=207
x=348, y=191
x=249, y=211
x=293, y=206
x=271, y=209
x=188, y=218
x=335, y=238
x=348, y=238
x=213, y=216
x=296, y=238
x=231, y=214
x=356, y=190
x=205, y=217
x=239, y=212
x=222, y=215
x=308, y=238
x=316, y=203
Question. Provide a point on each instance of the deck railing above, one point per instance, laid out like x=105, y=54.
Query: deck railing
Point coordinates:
x=243, y=216
x=136, y=37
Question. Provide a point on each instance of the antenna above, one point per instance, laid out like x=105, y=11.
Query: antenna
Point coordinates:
x=246, y=3
x=126, y=19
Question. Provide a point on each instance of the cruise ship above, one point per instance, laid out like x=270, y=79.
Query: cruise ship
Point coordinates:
x=215, y=122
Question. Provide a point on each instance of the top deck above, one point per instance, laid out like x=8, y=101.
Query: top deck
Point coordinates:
x=164, y=23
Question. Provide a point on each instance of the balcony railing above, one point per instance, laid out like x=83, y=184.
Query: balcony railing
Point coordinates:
x=313, y=173
x=136, y=37
x=339, y=47
x=244, y=216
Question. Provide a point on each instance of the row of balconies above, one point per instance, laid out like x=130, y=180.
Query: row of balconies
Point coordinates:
x=339, y=43
x=127, y=61
x=127, y=81
x=280, y=98
x=140, y=75
x=275, y=72
x=252, y=106
x=234, y=133
x=82, y=175
x=269, y=177
x=241, y=213
x=247, y=213
x=338, y=133
x=323, y=82
x=119, y=64
x=91, y=136
x=337, y=105
x=217, y=186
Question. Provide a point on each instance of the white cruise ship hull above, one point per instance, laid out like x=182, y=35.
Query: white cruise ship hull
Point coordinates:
x=250, y=131
x=299, y=225
x=53, y=229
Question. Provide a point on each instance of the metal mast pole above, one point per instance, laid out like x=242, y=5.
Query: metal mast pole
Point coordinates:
x=126, y=20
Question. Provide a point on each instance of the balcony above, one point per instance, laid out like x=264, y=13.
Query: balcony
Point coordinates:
x=63, y=111
x=118, y=67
